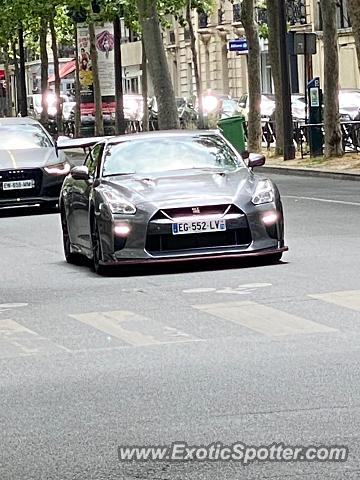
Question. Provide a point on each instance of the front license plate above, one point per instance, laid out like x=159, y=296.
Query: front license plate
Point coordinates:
x=19, y=185
x=204, y=226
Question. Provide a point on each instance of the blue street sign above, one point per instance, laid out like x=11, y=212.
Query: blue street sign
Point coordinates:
x=238, y=45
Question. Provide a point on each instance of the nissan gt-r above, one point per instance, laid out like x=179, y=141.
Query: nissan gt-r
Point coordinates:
x=166, y=196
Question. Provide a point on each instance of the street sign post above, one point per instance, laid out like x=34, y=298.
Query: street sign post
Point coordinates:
x=305, y=44
x=239, y=45
x=316, y=137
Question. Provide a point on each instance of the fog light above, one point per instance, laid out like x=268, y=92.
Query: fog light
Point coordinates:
x=270, y=218
x=122, y=230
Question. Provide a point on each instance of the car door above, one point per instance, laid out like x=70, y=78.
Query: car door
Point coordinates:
x=81, y=193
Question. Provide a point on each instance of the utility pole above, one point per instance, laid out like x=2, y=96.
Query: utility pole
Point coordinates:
x=22, y=80
x=289, y=148
x=119, y=91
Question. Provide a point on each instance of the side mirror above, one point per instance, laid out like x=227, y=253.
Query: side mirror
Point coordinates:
x=256, y=160
x=242, y=104
x=80, y=173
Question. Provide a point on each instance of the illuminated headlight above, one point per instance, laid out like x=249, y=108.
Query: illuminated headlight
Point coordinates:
x=58, y=169
x=118, y=204
x=264, y=193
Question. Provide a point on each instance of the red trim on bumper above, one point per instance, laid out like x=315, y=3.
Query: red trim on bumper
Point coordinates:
x=143, y=261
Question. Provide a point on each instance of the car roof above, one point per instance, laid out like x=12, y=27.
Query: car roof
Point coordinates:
x=160, y=134
x=18, y=121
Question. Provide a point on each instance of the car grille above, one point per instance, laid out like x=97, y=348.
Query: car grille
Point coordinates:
x=160, y=238
x=15, y=175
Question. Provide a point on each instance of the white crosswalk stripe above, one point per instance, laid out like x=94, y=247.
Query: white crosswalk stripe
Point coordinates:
x=348, y=299
x=17, y=341
x=134, y=329
x=263, y=319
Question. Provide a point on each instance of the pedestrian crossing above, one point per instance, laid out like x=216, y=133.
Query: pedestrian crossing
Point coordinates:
x=347, y=299
x=263, y=319
x=133, y=329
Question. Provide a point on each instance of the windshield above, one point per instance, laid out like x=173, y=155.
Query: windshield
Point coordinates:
x=21, y=137
x=162, y=154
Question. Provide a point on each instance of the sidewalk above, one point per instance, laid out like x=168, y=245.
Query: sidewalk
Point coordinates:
x=346, y=167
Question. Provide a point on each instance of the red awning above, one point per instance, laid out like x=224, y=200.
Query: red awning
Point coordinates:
x=65, y=70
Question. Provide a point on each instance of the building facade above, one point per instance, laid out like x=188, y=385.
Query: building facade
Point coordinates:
x=226, y=72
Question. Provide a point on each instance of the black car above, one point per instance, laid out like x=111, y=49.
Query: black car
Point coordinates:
x=31, y=168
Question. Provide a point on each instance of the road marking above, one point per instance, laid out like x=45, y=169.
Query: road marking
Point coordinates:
x=245, y=289
x=349, y=299
x=263, y=319
x=5, y=307
x=17, y=340
x=13, y=160
x=325, y=200
x=134, y=329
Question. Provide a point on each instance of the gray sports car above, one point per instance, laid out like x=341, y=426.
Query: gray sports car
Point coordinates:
x=166, y=196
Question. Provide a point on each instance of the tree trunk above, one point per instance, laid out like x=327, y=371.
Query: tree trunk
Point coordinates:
x=9, y=111
x=158, y=66
x=44, y=69
x=119, y=93
x=77, y=87
x=22, y=75
x=17, y=77
x=333, y=141
x=254, y=75
x=54, y=48
x=354, y=12
x=99, y=119
x=274, y=57
x=195, y=63
x=144, y=89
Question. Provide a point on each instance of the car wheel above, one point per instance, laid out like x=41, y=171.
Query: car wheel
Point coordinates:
x=97, y=251
x=70, y=257
x=273, y=258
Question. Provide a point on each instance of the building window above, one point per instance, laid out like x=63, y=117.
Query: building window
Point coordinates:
x=296, y=12
x=237, y=13
x=343, y=19
x=186, y=34
x=203, y=20
x=172, y=38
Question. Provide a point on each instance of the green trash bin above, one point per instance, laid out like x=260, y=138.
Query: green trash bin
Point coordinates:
x=233, y=130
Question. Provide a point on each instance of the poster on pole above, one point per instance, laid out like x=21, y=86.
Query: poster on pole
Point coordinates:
x=104, y=34
x=85, y=70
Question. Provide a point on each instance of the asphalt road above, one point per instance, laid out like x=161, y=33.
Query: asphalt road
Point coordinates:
x=197, y=353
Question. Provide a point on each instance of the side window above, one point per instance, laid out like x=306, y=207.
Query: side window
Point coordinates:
x=94, y=158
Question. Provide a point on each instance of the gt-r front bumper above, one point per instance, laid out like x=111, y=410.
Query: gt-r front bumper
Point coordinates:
x=148, y=238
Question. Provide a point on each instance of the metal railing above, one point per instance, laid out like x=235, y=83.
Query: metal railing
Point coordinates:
x=350, y=131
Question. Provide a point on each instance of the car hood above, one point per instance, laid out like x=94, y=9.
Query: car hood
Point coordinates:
x=180, y=188
x=29, y=158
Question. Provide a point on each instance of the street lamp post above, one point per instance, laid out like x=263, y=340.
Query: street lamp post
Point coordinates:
x=289, y=148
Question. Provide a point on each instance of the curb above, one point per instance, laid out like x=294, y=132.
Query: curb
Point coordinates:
x=310, y=172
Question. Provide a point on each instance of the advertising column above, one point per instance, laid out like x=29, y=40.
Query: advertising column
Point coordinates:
x=105, y=51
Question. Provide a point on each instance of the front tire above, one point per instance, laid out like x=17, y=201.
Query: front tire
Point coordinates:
x=97, y=250
x=70, y=257
x=274, y=258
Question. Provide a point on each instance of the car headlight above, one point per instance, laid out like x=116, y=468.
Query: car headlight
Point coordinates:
x=118, y=204
x=58, y=169
x=264, y=193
